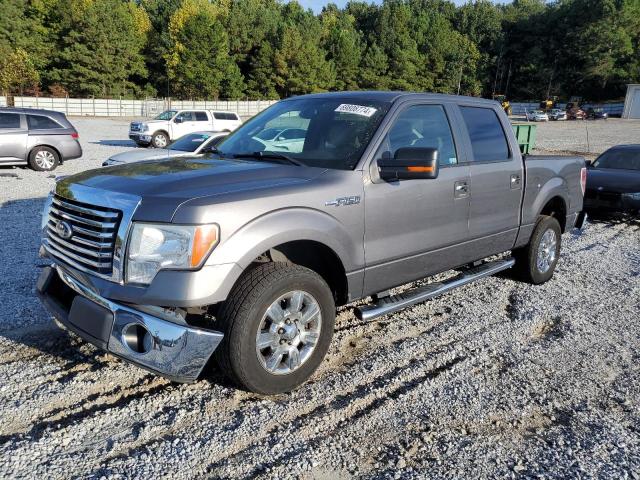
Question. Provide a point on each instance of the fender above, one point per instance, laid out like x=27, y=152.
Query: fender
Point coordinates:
x=275, y=228
x=553, y=187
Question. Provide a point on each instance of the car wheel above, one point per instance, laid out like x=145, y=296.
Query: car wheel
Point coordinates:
x=160, y=140
x=537, y=261
x=43, y=159
x=277, y=325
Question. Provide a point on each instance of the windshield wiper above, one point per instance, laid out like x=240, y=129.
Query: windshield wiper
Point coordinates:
x=270, y=156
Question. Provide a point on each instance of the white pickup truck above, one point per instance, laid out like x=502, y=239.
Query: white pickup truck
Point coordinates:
x=173, y=124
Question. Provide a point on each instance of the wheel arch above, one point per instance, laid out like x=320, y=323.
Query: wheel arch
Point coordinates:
x=60, y=159
x=556, y=207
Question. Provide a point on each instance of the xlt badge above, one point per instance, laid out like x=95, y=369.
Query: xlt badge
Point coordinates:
x=342, y=201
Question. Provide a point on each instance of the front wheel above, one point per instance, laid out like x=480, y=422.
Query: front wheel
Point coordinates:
x=277, y=324
x=537, y=261
x=160, y=140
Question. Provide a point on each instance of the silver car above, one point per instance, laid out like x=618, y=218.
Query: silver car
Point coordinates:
x=191, y=144
x=41, y=138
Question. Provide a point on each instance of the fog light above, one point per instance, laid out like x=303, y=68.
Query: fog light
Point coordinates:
x=137, y=338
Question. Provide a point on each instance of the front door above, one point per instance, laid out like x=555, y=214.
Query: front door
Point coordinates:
x=13, y=137
x=186, y=123
x=414, y=228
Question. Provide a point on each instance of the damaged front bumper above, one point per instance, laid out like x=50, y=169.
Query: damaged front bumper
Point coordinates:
x=176, y=351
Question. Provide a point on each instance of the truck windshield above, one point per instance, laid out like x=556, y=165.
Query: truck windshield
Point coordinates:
x=316, y=132
x=166, y=115
x=189, y=142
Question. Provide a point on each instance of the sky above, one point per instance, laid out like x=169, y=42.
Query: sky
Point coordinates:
x=317, y=5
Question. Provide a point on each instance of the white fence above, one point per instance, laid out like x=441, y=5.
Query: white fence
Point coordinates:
x=518, y=108
x=96, y=107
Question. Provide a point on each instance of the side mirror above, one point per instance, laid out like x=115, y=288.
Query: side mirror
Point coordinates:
x=178, y=120
x=410, y=163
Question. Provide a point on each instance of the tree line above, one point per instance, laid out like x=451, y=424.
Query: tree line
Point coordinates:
x=269, y=49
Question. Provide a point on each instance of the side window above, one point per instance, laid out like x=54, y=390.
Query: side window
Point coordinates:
x=39, y=122
x=219, y=116
x=9, y=120
x=292, y=134
x=186, y=116
x=201, y=117
x=424, y=126
x=488, y=141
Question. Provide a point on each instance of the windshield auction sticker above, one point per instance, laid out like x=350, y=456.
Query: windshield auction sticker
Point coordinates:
x=356, y=109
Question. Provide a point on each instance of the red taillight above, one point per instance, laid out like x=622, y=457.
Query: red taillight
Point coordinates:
x=583, y=180
x=75, y=135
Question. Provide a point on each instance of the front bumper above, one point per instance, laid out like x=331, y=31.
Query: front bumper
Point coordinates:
x=176, y=351
x=597, y=201
x=140, y=137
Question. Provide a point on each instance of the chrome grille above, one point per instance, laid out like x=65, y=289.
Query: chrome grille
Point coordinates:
x=83, y=235
x=135, y=127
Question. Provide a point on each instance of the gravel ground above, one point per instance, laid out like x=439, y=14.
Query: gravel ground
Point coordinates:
x=497, y=379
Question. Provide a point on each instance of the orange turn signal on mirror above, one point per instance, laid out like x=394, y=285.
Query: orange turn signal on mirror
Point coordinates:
x=420, y=169
x=205, y=238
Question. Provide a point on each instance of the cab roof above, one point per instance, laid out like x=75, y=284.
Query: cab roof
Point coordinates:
x=393, y=96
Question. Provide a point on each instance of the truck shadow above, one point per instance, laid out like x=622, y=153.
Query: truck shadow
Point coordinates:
x=116, y=143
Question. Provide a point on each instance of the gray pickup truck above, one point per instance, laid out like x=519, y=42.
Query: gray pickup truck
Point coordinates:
x=241, y=257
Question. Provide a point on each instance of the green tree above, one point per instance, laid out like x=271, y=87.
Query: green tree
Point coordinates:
x=343, y=44
x=17, y=72
x=100, y=49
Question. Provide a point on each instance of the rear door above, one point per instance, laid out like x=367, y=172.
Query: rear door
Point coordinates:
x=496, y=181
x=13, y=137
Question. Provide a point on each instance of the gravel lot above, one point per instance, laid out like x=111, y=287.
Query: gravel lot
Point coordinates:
x=498, y=379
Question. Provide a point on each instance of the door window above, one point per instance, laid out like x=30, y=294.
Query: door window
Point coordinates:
x=424, y=126
x=488, y=140
x=201, y=117
x=186, y=116
x=39, y=122
x=9, y=120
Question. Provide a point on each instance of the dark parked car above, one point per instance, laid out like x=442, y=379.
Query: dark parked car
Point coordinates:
x=41, y=138
x=597, y=114
x=613, y=181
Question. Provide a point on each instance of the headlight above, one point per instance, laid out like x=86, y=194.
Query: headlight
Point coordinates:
x=144, y=127
x=155, y=247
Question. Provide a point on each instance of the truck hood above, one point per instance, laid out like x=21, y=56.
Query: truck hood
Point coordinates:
x=147, y=154
x=613, y=180
x=163, y=185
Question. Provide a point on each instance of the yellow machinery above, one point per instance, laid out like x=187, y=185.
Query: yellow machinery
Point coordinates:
x=549, y=103
x=506, y=105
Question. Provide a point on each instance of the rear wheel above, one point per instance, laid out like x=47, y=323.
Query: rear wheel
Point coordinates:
x=277, y=324
x=537, y=261
x=43, y=159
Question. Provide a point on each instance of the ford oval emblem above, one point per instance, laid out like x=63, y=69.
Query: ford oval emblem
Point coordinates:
x=63, y=229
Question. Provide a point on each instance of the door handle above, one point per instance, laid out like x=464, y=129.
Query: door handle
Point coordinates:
x=461, y=189
x=515, y=181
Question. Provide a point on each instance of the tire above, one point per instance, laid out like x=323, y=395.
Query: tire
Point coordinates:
x=44, y=159
x=532, y=267
x=260, y=291
x=160, y=140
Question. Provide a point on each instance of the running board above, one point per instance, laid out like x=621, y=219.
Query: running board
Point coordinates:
x=393, y=303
